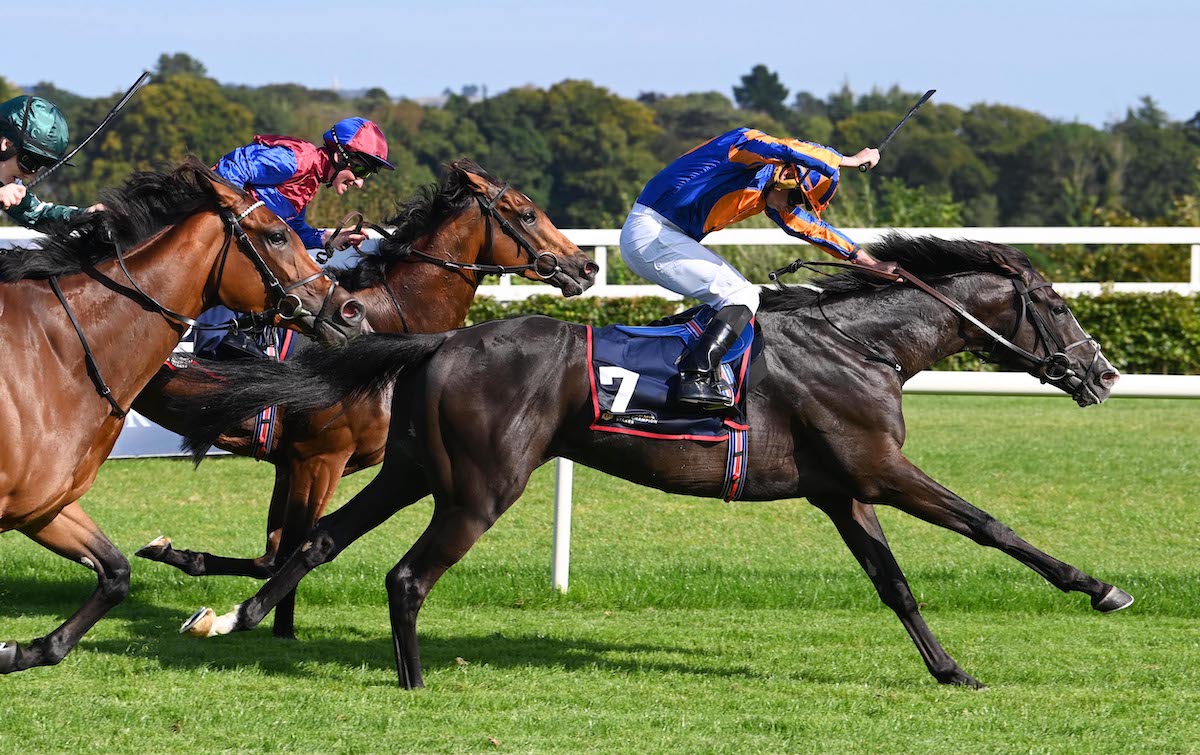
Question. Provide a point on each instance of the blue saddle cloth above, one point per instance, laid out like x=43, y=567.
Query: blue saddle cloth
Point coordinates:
x=633, y=374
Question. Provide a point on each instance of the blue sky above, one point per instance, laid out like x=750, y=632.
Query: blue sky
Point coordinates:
x=1068, y=59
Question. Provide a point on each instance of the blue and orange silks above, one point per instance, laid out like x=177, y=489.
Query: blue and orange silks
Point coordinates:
x=727, y=179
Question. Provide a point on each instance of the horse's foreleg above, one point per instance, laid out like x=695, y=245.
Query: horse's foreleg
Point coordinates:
x=202, y=564
x=453, y=530
x=73, y=535
x=904, y=486
x=384, y=496
x=860, y=528
x=313, y=482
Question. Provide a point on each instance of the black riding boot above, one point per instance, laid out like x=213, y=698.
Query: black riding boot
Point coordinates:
x=700, y=383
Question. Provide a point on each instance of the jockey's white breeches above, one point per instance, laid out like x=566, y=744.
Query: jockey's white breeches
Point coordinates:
x=657, y=250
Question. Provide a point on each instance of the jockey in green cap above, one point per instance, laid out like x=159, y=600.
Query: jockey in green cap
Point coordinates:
x=33, y=135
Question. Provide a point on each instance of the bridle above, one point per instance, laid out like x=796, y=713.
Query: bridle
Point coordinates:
x=544, y=265
x=287, y=305
x=1054, y=367
x=489, y=213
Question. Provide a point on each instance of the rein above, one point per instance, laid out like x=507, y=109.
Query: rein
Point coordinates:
x=1054, y=368
x=294, y=307
x=489, y=212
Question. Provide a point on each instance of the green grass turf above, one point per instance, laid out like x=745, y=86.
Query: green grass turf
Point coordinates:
x=690, y=625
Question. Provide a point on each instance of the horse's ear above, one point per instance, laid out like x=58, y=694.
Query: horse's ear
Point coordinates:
x=478, y=182
x=1003, y=258
x=223, y=193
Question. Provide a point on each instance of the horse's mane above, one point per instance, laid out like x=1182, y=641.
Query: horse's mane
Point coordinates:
x=148, y=202
x=430, y=207
x=924, y=256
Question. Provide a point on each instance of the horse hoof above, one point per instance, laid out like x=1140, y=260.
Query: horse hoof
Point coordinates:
x=8, y=657
x=960, y=678
x=201, y=623
x=154, y=548
x=1113, y=600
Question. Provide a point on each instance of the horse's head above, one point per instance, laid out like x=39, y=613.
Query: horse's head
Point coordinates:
x=527, y=238
x=265, y=268
x=1057, y=349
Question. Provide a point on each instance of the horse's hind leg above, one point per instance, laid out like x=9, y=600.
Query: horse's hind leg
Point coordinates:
x=202, y=564
x=901, y=484
x=860, y=528
x=73, y=535
x=390, y=491
x=313, y=482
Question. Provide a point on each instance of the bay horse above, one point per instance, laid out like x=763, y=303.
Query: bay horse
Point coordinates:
x=422, y=279
x=475, y=411
x=87, y=319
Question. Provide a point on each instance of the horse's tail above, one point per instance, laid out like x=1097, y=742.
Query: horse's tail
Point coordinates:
x=312, y=380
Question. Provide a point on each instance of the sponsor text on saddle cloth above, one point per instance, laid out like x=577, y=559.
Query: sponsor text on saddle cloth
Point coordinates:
x=632, y=371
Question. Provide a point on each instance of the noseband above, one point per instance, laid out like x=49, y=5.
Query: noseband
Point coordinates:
x=1055, y=367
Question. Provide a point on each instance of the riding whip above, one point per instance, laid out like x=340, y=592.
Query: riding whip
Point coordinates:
x=145, y=77
x=863, y=168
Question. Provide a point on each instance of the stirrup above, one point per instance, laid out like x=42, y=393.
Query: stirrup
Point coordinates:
x=704, y=390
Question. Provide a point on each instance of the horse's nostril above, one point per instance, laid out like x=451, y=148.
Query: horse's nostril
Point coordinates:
x=1109, y=378
x=352, y=311
x=591, y=268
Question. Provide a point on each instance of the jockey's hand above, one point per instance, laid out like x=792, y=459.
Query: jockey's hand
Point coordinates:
x=98, y=207
x=347, y=239
x=868, y=157
x=11, y=195
x=889, y=267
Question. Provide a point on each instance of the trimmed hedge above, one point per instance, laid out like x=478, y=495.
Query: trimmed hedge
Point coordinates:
x=1141, y=333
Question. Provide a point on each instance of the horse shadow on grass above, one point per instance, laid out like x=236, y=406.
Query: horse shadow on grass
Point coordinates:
x=153, y=636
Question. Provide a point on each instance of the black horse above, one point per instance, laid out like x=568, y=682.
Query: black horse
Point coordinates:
x=478, y=409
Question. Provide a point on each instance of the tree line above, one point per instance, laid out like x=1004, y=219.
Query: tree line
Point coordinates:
x=583, y=153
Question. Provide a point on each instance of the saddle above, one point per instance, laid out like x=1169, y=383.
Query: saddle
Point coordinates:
x=632, y=371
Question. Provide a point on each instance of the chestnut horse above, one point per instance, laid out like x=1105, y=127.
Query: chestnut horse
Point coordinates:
x=475, y=411
x=421, y=280
x=84, y=332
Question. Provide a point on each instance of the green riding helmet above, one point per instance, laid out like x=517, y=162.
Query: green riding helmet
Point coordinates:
x=36, y=125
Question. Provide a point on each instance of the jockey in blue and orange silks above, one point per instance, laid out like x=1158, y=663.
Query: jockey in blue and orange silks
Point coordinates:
x=285, y=174
x=727, y=179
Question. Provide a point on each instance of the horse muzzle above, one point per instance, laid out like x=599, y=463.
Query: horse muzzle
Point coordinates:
x=573, y=282
x=338, y=327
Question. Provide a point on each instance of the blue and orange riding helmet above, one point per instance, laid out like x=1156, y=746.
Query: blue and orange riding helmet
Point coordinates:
x=361, y=139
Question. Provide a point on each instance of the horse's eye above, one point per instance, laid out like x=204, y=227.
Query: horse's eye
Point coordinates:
x=528, y=217
x=1059, y=309
x=277, y=238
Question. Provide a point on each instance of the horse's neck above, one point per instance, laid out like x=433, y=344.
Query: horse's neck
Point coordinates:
x=174, y=267
x=915, y=329
x=432, y=298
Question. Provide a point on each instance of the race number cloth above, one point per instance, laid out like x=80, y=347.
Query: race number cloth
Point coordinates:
x=633, y=371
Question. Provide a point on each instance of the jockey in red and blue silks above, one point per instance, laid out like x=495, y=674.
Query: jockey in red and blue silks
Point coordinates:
x=285, y=174
x=727, y=179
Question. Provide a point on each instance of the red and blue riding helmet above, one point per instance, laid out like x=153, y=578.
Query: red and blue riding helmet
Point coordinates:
x=361, y=138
